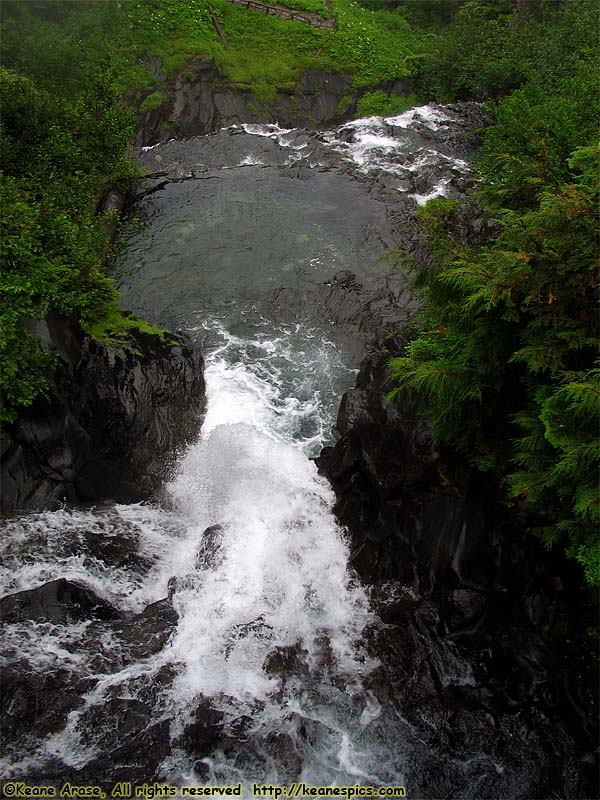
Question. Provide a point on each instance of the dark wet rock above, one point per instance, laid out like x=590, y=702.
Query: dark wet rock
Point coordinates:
x=204, y=730
x=393, y=448
x=463, y=739
x=109, y=541
x=286, y=661
x=143, y=740
x=118, y=548
x=112, y=646
x=131, y=738
x=393, y=601
x=36, y=703
x=208, y=731
x=205, y=101
x=284, y=752
x=202, y=770
x=468, y=602
x=209, y=554
x=36, y=699
x=109, y=423
x=57, y=602
x=147, y=633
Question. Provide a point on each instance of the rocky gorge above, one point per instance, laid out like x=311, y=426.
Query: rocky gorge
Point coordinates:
x=431, y=662
x=205, y=101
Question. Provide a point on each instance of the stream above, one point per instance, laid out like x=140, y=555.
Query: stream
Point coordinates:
x=263, y=674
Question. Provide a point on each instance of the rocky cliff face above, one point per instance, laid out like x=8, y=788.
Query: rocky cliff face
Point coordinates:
x=467, y=603
x=206, y=101
x=110, y=420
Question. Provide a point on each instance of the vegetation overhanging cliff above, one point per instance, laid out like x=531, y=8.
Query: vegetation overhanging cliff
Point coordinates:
x=506, y=361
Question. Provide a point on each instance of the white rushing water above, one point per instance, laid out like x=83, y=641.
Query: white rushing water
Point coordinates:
x=385, y=144
x=270, y=621
x=404, y=146
x=270, y=583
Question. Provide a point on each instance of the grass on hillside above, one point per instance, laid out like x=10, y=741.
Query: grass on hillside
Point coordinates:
x=264, y=53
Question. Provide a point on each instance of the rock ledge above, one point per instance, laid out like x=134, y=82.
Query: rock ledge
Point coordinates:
x=109, y=423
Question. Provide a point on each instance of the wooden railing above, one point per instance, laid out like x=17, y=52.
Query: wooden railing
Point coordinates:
x=287, y=13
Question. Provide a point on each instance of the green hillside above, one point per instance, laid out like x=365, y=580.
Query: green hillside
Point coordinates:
x=59, y=43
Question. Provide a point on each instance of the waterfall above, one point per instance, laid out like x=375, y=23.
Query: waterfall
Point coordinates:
x=266, y=674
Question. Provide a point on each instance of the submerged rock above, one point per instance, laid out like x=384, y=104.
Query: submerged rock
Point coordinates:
x=108, y=423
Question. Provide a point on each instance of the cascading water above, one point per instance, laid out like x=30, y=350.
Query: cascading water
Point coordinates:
x=274, y=583
x=270, y=620
x=265, y=675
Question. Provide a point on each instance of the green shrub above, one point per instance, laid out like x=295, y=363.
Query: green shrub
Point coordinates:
x=490, y=49
x=59, y=155
x=506, y=365
x=380, y=103
x=152, y=102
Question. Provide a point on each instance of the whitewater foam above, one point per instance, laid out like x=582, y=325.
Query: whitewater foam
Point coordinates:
x=279, y=581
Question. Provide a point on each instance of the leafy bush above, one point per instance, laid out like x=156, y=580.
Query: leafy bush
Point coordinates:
x=538, y=127
x=506, y=364
x=59, y=155
x=152, y=102
x=382, y=104
x=490, y=49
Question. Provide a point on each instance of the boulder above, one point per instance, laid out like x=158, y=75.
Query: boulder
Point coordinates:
x=109, y=422
x=58, y=602
x=38, y=698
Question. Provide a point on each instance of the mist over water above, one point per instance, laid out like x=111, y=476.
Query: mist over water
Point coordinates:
x=244, y=541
